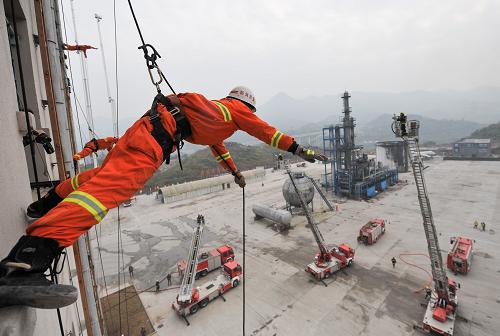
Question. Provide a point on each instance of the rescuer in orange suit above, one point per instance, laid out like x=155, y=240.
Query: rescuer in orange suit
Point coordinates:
x=55, y=195
x=134, y=159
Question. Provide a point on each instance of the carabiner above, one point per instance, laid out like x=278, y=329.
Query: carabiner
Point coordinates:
x=160, y=77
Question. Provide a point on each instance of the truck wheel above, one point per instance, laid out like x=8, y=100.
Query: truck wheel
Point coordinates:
x=203, y=273
x=236, y=283
x=203, y=303
x=193, y=309
x=349, y=263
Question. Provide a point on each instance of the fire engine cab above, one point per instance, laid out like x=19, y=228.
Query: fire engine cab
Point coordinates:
x=460, y=255
x=209, y=261
x=372, y=231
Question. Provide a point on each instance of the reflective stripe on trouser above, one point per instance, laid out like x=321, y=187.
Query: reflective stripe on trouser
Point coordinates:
x=66, y=187
x=127, y=167
x=223, y=156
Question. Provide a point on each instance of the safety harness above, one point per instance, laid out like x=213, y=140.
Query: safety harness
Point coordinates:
x=160, y=134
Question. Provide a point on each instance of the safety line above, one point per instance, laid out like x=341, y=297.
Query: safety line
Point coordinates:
x=72, y=82
x=104, y=276
x=119, y=295
x=144, y=44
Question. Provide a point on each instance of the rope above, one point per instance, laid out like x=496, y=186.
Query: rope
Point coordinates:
x=25, y=102
x=428, y=284
x=119, y=289
x=244, y=238
x=72, y=84
x=125, y=289
x=149, y=59
x=116, y=68
x=244, y=269
x=103, y=275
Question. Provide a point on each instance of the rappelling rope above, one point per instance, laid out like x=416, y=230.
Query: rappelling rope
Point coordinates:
x=233, y=172
x=150, y=59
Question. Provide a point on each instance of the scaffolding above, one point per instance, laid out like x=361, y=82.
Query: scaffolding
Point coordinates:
x=348, y=172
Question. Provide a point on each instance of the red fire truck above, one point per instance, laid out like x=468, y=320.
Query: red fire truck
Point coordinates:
x=336, y=258
x=460, y=255
x=372, y=231
x=229, y=278
x=209, y=261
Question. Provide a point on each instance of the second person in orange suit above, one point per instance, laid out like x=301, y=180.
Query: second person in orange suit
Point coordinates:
x=134, y=159
x=55, y=195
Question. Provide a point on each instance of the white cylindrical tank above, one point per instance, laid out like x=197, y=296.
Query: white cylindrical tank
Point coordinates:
x=279, y=216
x=304, y=185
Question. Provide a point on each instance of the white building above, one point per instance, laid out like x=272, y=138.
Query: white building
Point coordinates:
x=16, y=171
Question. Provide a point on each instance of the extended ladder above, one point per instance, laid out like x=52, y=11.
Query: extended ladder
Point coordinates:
x=314, y=227
x=188, y=279
x=320, y=192
x=438, y=272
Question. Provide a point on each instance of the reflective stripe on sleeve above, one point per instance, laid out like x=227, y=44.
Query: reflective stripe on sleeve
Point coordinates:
x=224, y=110
x=89, y=203
x=275, y=140
x=74, y=182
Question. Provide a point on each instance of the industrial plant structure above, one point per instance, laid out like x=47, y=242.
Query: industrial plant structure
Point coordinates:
x=392, y=155
x=349, y=172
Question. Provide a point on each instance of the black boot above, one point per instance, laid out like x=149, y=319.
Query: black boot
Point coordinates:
x=22, y=279
x=39, y=208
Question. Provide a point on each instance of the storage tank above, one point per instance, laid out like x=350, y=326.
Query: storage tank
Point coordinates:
x=304, y=185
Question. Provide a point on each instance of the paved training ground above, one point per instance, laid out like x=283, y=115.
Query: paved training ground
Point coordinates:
x=371, y=298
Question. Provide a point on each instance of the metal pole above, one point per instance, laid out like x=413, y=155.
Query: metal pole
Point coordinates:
x=111, y=101
x=86, y=85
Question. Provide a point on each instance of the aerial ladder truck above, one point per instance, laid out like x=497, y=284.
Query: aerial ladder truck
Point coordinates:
x=329, y=259
x=191, y=299
x=442, y=306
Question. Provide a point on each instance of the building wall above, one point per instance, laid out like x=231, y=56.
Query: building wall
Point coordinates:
x=461, y=149
x=15, y=167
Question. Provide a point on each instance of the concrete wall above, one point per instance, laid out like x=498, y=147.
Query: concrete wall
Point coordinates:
x=14, y=170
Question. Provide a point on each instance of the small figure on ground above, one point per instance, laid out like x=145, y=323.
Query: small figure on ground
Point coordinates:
x=483, y=226
x=476, y=223
x=169, y=279
x=393, y=260
x=143, y=331
x=131, y=271
x=157, y=284
x=428, y=293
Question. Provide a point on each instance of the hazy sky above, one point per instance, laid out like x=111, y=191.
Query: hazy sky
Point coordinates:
x=302, y=48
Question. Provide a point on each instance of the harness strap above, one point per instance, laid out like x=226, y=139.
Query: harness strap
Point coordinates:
x=183, y=129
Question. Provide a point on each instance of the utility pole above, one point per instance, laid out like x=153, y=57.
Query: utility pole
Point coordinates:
x=111, y=101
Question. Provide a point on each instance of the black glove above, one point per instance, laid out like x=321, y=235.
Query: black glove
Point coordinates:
x=309, y=154
x=239, y=179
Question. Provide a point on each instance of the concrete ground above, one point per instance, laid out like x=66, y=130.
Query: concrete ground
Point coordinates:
x=370, y=298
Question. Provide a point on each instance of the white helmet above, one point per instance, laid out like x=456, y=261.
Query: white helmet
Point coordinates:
x=244, y=94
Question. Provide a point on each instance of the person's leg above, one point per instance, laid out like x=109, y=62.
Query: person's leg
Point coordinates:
x=55, y=195
x=135, y=158
x=22, y=279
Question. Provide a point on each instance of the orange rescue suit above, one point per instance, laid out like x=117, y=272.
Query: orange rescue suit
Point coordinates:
x=137, y=156
x=95, y=145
